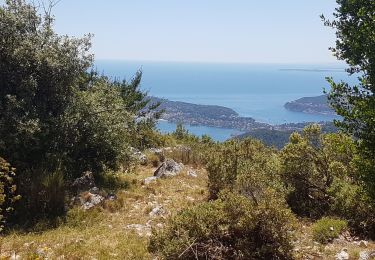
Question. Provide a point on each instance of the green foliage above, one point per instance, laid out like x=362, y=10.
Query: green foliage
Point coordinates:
x=352, y=203
x=245, y=165
x=53, y=194
x=310, y=163
x=326, y=229
x=96, y=130
x=57, y=117
x=77, y=217
x=7, y=191
x=231, y=227
x=355, y=30
x=113, y=181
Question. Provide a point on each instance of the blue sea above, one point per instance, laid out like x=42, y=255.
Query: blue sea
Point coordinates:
x=254, y=90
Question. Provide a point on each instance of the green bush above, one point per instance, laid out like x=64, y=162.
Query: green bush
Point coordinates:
x=309, y=165
x=53, y=194
x=79, y=218
x=113, y=181
x=351, y=202
x=231, y=227
x=7, y=191
x=247, y=165
x=326, y=229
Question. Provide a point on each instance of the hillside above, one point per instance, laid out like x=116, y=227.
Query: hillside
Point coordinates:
x=121, y=228
x=311, y=105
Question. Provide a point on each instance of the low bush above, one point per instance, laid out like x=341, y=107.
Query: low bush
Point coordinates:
x=79, y=218
x=326, y=229
x=231, y=227
x=113, y=181
x=242, y=165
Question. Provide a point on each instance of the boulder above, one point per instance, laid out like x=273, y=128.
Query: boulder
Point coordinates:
x=343, y=255
x=91, y=200
x=364, y=256
x=84, y=183
x=168, y=168
x=157, y=211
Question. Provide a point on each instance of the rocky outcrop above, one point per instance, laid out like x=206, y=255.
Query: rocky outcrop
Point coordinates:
x=168, y=168
x=138, y=155
x=87, y=195
x=84, y=183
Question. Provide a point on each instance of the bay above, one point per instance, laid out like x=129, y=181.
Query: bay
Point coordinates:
x=253, y=90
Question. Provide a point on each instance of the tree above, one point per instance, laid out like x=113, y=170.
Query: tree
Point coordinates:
x=355, y=25
x=40, y=74
x=56, y=118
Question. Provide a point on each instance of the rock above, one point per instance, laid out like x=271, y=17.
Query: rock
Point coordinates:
x=168, y=168
x=159, y=225
x=139, y=156
x=148, y=180
x=160, y=172
x=84, y=183
x=94, y=190
x=343, y=255
x=141, y=230
x=92, y=200
x=364, y=255
x=111, y=196
x=14, y=256
x=192, y=173
x=363, y=243
x=157, y=211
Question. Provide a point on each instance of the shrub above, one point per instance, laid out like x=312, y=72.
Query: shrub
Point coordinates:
x=7, y=191
x=113, y=181
x=243, y=164
x=309, y=165
x=53, y=194
x=231, y=227
x=352, y=203
x=326, y=229
x=79, y=218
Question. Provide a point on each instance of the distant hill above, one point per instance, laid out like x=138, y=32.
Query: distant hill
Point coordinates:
x=207, y=115
x=279, y=135
x=311, y=105
x=270, y=137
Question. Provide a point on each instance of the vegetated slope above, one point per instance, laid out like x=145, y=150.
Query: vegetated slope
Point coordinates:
x=117, y=229
x=311, y=105
x=120, y=229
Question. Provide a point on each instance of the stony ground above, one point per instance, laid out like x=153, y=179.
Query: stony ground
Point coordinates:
x=120, y=229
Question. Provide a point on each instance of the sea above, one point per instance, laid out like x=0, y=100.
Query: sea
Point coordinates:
x=252, y=90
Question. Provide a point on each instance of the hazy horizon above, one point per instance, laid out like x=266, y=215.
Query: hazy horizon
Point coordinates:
x=269, y=32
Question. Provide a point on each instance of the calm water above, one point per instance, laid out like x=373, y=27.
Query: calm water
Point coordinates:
x=258, y=91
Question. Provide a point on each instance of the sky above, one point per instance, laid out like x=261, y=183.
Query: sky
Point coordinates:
x=240, y=31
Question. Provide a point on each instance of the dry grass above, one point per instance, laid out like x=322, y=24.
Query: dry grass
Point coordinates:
x=107, y=233
x=110, y=232
x=307, y=248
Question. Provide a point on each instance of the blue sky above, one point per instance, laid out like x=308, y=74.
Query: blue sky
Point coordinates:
x=251, y=31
